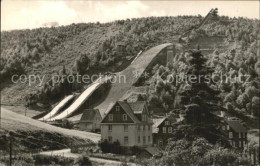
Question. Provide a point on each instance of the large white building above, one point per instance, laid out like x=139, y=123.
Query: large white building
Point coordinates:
x=129, y=123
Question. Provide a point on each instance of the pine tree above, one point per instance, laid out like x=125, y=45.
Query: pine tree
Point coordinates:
x=199, y=100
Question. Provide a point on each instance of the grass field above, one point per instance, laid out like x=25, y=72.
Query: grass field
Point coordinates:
x=11, y=121
x=30, y=135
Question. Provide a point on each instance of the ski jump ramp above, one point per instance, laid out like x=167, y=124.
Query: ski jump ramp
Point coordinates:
x=81, y=99
x=132, y=73
x=57, y=108
x=118, y=89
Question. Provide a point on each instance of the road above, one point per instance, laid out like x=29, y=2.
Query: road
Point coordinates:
x=67, y=153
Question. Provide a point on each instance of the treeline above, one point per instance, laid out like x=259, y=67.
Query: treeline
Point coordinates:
x=236, y=70
x=92, y=47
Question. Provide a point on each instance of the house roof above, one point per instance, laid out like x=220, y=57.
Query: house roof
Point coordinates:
x=152, y=150
x=128, y=110
x=237, y=126
x=89, y=114
x=120, y=44
x=158, y=121
x=137, y=107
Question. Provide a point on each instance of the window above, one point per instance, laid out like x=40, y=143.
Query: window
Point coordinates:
x=143, y=117
x=170, y=130
x=109, y=139
x=117, y=108
x=149, y=139
x=244, y=143
x=167, y=122
x=126, y=128
x=124, y=117
x=144, y=127
x=126, y=140
x=139, y=139
x=164, y=129
x=231, y=142
x=223, y=127
x=110, y=117
x=149, y=127
x=144, y=141
x=110, y=128
x=242, y=135
x=239, y=135
x=240, y=144
x=139, y=128
x=227, y=127
x=230, y=134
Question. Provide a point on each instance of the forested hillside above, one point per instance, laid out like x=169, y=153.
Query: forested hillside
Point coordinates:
x=93, y=47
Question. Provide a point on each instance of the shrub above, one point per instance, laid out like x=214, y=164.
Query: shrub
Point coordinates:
x=84, y=161
x=114, y=147
x=104, y=146
x=46, y=160
x=136, y=150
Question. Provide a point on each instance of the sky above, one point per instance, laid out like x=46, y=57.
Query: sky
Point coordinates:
x=28, y=14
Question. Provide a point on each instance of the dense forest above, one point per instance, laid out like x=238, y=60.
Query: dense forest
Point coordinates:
x=92, y=47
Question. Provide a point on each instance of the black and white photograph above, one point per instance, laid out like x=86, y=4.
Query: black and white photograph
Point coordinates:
x=129, y=83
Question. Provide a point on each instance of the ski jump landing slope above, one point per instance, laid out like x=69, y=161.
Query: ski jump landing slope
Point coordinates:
x=131, y=74
x=57, y=108
x=81, y=99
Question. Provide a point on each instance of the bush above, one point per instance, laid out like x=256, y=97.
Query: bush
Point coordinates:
x=84, y=161
x=136, y=150
x=104, y=146
x=114, y=147
x=46, y=160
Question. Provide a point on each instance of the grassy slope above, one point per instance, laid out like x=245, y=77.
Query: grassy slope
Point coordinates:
x=63, y=54
x=14, y=122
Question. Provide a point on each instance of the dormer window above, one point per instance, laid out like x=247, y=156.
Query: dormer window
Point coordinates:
x=227, y=127
x=110, y=117
x=124, y=117
x=117, y=108
x=143, y=117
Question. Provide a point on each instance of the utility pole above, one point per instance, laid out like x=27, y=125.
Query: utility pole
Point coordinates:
x=10, y=152
x=10, y=147
x=0, y=116
x=25, y=111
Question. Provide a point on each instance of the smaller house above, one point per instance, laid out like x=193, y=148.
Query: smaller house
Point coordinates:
x=90, y=120
x=162, y=130
x=120, y=46
x=235, y=132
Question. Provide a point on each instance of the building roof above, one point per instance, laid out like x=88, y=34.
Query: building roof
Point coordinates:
x=120, y=44
x=137, y=106
x=236, y=126
x=130, y=108
x=126, y=107
x=152, y=150
x=158, y=121
x=89, y=114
